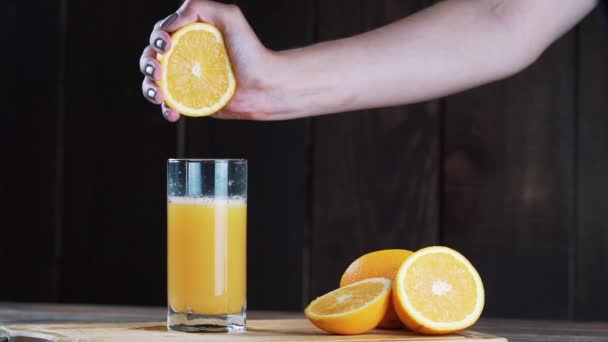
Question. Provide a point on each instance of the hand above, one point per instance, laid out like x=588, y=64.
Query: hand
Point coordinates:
x=250, y=59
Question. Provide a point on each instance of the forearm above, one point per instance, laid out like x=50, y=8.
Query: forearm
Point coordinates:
x=452, y=46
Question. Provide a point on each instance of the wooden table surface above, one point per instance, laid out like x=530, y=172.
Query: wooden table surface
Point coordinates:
x=513, y=330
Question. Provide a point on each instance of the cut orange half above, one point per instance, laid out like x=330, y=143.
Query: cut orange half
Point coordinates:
x=197, y=77
x=384, y=263
x=438, y=291
x=353, y=309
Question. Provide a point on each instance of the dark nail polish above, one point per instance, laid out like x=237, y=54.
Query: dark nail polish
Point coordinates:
x=169, y=20
x=166, y=114
x=151, y=94
x=149, y=70
x=160, y=44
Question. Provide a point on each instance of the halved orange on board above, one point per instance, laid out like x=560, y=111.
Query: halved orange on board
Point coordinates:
x=383, y=263
x=353, y=309
x=438, y=291
x=197, y=77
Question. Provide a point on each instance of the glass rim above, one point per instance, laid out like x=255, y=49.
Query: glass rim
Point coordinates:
x=207, y=160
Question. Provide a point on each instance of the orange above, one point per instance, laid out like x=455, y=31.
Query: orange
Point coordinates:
x=197, y=77
x=353, y=309
x=384, y=263
x=438, y=291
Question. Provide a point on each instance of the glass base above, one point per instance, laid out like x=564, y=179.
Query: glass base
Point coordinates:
x=194, y=323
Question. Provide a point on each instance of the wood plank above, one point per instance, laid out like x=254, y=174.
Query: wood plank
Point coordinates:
x=509, y=185
x=592, y=149
x=29, y=137
x=116, y=150
x=36, y=313
x=284, y=330
x=544, y=331
x=278, y=212
x=514, y=330
x=375, y=175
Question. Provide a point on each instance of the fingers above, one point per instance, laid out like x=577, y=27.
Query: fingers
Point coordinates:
x=170, y=115
x=151, y=91
x=155, y=95
x=223, y=16
x=185, y=15
x=160, y=40
x=148, y=65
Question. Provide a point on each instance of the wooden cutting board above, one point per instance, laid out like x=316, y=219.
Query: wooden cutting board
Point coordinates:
x=288, y=330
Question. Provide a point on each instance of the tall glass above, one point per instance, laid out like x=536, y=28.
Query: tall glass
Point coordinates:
x=206, y=244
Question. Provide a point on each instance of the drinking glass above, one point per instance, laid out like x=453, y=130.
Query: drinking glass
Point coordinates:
x=206, y=244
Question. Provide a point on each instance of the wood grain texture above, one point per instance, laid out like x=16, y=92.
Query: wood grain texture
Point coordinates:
x=36, y=313
x=513, y=330
x=591, y=262
x=375, y=172
x=284, y=330
x=116, y=147
x=517, y=330
x=509, y=184
x=278, y=159
x=27, y=248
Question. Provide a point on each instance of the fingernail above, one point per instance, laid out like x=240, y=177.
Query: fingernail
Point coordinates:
x=149, y=70
x=160, y=44
x=151, y=94
x=166, y=114
x=169, y=20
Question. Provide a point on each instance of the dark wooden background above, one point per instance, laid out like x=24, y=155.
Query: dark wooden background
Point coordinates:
x=512, y=174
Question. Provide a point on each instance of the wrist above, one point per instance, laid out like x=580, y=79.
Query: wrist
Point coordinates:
x=301, y=83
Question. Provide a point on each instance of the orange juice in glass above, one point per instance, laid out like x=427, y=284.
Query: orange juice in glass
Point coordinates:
x=206, y=244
